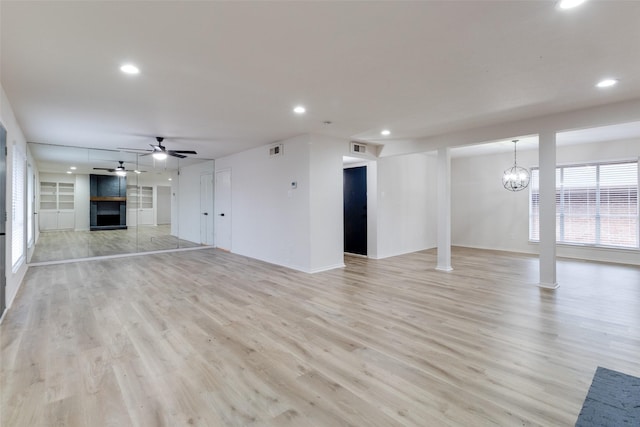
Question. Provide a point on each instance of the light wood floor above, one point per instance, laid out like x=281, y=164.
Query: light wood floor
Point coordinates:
x=63, y=245
x=210, y=338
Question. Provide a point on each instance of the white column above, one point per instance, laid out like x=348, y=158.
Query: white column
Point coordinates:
x=547, y=160
x=444, y=210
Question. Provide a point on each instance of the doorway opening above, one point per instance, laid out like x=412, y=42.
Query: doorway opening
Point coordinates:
x=355, y=209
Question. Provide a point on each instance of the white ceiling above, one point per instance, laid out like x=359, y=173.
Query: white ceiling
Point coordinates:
x=221, y=77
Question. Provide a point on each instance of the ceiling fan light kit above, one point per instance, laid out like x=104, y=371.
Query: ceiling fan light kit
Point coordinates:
x=160, y=152
x=119, y=170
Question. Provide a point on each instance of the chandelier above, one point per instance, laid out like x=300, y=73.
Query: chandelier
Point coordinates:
x=516, y=178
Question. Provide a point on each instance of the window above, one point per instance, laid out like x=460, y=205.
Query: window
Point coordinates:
x=17, y=208
x=596, y=204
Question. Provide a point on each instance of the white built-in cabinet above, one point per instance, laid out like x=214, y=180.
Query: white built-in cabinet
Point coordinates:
x=57, y=206
x=140, y=205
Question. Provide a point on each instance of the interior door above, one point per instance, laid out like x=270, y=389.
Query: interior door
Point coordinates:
x=355, y=210
x=206, y=209
x=223, y=209
x=3, y=210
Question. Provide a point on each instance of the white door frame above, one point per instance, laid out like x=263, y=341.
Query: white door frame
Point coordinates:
x=222, y=209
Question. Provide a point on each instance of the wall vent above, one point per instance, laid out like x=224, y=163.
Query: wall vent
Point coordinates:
x=275, y=150
x=358, y=148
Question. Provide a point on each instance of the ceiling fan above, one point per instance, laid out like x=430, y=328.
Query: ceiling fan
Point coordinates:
x=119, y=170
x=160, y=152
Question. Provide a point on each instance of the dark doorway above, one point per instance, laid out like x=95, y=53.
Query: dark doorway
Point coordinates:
x=355, y=210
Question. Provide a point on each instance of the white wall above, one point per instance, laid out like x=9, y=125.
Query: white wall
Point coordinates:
x=485, y=215
x=15, y=137
x=326, y=202
x=406, y=201
x=186, y=187
x=303, y=228
x=270, y=221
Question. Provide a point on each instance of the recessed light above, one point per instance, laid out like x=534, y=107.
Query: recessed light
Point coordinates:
x=569, y=4
x=69, y=172
x=129, y=69
x=170, y=179
x=385, y=132
x=72, y=168
x=299, y=110
x=607, y=83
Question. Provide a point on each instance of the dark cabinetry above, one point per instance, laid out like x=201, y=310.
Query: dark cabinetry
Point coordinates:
x=108, y=202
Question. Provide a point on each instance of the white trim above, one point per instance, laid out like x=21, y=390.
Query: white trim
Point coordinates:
x=105, y=257
x=548, y=285
x=327, y=268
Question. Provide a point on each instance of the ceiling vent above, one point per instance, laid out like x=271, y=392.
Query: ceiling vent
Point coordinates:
x=275, y=150
x=358, y=148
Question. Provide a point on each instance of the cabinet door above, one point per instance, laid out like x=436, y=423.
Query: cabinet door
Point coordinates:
x=145, y=217
x=66, y=220
x=48, y=220
x=132, y=216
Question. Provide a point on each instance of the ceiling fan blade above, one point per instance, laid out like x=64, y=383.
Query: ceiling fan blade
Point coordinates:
x=133, y=149
x=182, y=151
x=174, y=154
x=104, y=169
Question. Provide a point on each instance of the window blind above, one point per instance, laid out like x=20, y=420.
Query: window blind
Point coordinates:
x=578, y=204
x=618, y=223
x=17, y=207
x=596, y=204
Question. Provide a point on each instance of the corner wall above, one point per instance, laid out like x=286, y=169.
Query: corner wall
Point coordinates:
x=270, y=220
x=326, y=203
x=406, y=202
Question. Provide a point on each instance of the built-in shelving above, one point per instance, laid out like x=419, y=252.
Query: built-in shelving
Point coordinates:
x=140, y=205
x=57, y=205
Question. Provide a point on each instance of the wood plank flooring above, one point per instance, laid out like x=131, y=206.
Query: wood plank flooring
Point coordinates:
x=209, y=338
x=63, y=245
